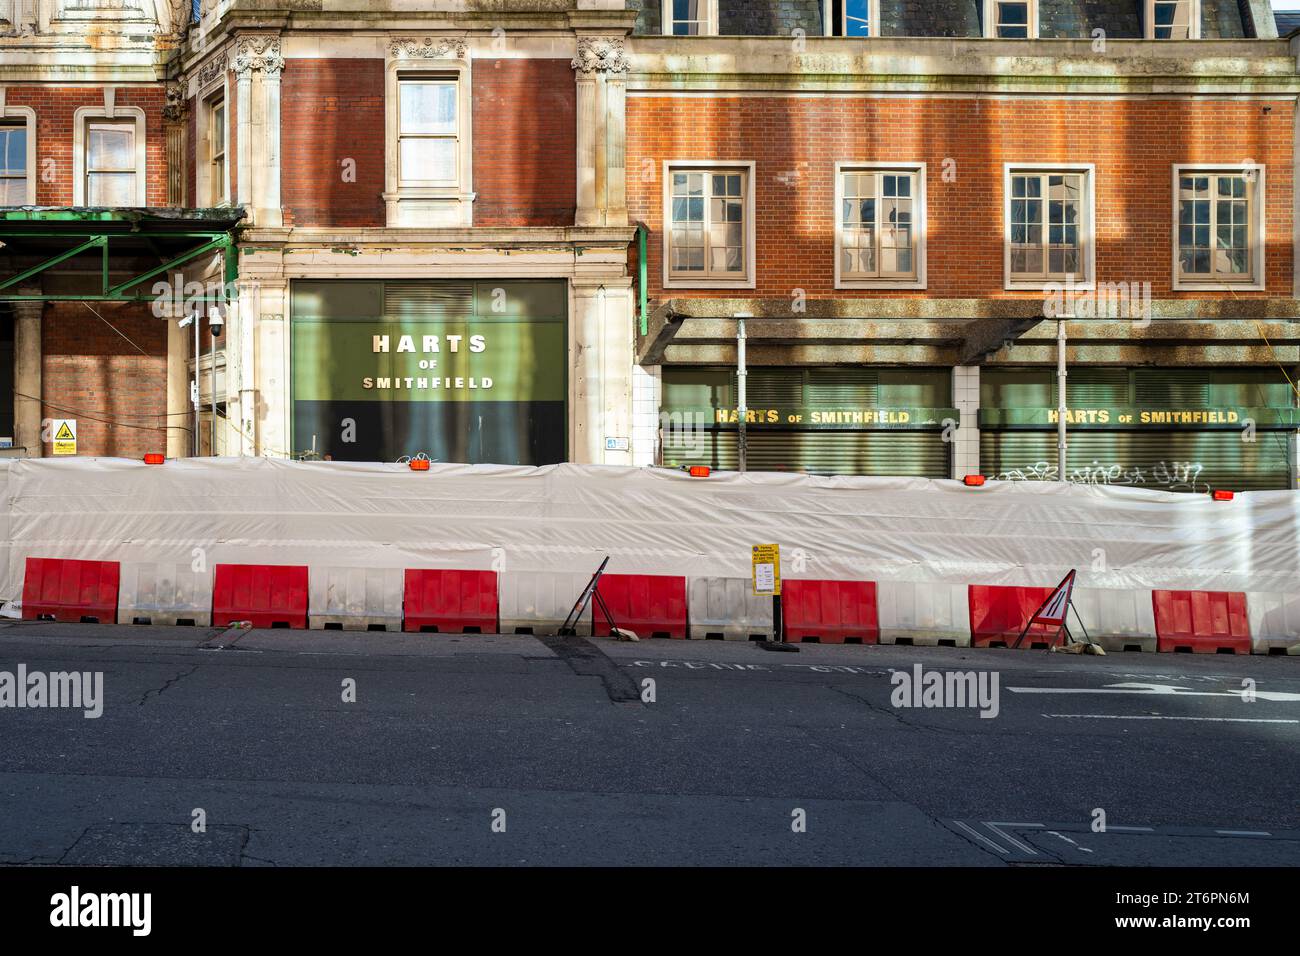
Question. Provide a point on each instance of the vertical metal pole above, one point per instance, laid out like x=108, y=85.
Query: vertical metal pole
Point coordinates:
x=212, y=378
x=1062, y=406
x=198, y=318
x=743, y=404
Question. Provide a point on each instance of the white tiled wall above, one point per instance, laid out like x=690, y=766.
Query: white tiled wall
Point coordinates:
x=646, y=392
x=966, y=399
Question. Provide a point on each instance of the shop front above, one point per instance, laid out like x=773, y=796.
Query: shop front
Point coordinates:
x=828, y=421
x=1190, y=430
x=456, y=370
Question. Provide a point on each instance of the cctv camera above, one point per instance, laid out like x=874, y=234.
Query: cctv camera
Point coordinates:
x=215, y=321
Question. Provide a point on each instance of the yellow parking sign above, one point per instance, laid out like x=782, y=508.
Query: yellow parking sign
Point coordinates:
x=767, y=569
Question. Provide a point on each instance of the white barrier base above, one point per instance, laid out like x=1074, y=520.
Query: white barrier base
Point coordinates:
x=537, y=602
x=727, y=609
x=165, y=594
x=927, y=614
x=1117, y=620
x=1274, y=622
x=354, y=599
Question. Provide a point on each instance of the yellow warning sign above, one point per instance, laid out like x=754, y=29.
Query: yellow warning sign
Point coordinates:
x=767, y=569
x=65, y=436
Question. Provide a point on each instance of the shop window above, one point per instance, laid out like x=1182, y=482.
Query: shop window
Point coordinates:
x=1219, y=227
x=1049, y=226
x=709, y=234
x=880, y=226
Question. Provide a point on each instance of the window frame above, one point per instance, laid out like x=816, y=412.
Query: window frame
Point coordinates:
x=1088, y=251
x=919, y=173
x=990, y=21
x=25, y=117
x=1256, y=281
x=82, y=118
x=828, y=12
x=710, y=21
x=1149, y=20
x=411, y=205
x=206, y=99
x=748, y=278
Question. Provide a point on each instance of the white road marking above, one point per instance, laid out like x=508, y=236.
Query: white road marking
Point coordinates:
x=1219, y=720
x=1010, y=839
x=1083, y=849
x=1242, y=833
x=1156, y=690
x=981, y=837
x=1133, y=829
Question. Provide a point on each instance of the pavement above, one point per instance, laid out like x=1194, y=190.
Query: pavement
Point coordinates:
x=508, y=750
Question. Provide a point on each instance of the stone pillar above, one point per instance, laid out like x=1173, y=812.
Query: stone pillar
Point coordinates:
x=175, y=127
x=180, y=414
x=243, y=135
x=966, y=439
x=271, y=370
x=600, y=369
x=258, y=65
x=28, y=356
x=601, y=68
x=270, y=210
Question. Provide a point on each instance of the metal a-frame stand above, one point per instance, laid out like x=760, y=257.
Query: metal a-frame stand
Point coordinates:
x=569, y=628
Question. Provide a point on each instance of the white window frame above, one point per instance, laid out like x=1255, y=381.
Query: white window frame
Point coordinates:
x=428, y=206
x=918, y=170
x=205, y=98
x=82, y=117
x=26, y=116
x=709, y=29
x=1193, y=27
x=749, y=279
x=1257, y=281
x=828, y=12
x=1088, y=228
x=990, y=26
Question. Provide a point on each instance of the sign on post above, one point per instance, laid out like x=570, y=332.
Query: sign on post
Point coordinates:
x=65, y=436
x=767, y=569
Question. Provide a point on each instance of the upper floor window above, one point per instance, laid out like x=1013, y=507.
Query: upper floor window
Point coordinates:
x=1173, y=19
x=218, y=183
x=1219, y=227
x=709, y=225
x=1014, y=20
x=14, y=174
x=110, y=163
x=1049, y=226
x=690, y=17
x=880, y=229
x=428, y=131
x=851, y=18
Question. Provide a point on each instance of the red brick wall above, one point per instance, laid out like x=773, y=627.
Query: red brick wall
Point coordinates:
x=331, y=111
x=191, y=152
x=91, y=373
x=525, y=152
x=1133, y=144
x=55, y=107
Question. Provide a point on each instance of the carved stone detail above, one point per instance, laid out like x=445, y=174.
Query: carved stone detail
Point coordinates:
x=258, y=52
x=600, y=55
x=429, y=48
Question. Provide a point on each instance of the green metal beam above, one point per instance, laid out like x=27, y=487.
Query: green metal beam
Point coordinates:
x=220, y=243
x=75, y=250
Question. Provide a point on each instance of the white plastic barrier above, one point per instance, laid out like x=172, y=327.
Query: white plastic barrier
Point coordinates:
x=1274, y=622
x=727, y=608
x=923, y=613
x=537, y=602
x=355, y=599
x=1117, y=620
x=164, y=593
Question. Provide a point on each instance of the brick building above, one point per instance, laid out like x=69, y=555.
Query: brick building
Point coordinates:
x=523, y=232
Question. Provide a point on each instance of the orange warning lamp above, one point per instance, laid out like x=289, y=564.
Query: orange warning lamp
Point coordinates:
x=1221, y=494
x=973, y=481
x=153, y=458
x=700, y=471
x=419, y=464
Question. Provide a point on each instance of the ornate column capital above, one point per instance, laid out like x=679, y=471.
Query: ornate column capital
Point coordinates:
x=177, y=106
x=600, y=55
x=259, y=52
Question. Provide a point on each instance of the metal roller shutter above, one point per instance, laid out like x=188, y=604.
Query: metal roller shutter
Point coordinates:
x=922, y=453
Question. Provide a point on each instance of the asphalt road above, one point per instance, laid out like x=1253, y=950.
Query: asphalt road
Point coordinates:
x=551, y=741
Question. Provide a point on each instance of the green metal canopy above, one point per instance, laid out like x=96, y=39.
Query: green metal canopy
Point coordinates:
x=87, y=237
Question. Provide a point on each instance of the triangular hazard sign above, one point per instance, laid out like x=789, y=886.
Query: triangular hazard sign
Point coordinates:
x=1057, y=604
x=65, y=433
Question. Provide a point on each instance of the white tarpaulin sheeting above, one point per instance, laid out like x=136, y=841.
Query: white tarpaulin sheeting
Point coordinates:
x=566, y=517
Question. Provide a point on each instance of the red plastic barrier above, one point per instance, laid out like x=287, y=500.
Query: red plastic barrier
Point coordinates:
x=72, y=591
x=830, y=611
x=647, y=604
x=998, y=613
x=455, y=601
x=269, y=595
x=1206, y=622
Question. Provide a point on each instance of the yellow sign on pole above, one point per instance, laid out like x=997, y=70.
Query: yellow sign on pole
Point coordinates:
x=65, y=436
x=767, y=569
